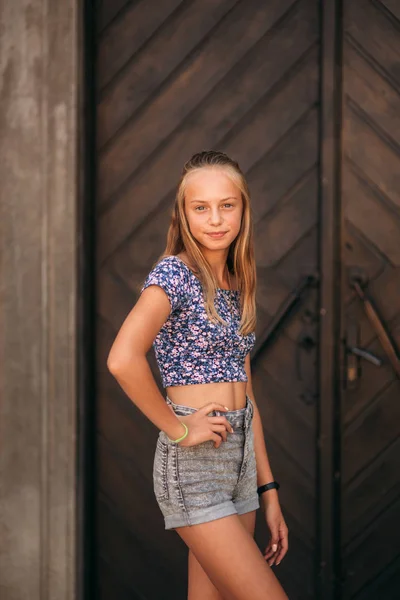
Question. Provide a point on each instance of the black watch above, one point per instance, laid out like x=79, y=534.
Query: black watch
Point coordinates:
x=268, y=486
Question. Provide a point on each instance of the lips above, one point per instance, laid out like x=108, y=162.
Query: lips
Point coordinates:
x=217, y=234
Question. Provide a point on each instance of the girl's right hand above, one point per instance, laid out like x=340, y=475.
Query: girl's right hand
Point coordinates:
x=202, y=427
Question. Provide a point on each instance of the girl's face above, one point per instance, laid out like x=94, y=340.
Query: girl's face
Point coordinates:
x=213, y=205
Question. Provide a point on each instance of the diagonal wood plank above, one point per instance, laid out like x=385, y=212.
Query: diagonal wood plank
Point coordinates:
x=372, y=432
x=108, y=10
x=271, y=178
x=382, y=166
x=393, y=6
x=385, y=585
x=286, y=225
x=368, y=214
x=197, y=76
x=375, y=33
x=128, y=32
x=143, y=76
x=372, y=93
x=210, y=124
x=366, y=500
x=245, y=146
x=269, y=57
x=371, y=553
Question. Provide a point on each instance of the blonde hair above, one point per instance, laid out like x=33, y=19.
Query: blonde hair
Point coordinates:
x=240, y=260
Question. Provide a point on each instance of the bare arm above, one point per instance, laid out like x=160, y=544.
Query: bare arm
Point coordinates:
x=278, y=543
x=128, y=363
x=264, y=472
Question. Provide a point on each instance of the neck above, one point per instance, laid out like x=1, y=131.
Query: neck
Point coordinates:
x=217, y=260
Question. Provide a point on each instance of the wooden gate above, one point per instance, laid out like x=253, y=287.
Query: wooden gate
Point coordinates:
x=175, y=77
x=370, y=398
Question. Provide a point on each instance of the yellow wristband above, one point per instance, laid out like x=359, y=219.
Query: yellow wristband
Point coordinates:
x=183, y=436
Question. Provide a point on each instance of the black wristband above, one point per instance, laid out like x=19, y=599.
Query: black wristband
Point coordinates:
x=268, y=486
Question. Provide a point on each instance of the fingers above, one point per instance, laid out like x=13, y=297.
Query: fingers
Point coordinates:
x=221, y=430
x=271, y=552
x=272, y=548
x=217, y=427
x=275, y=551
x=272, y=560
x=284, y=546
x=268, y=552
x=217, y=440
x=221, y=421
x=212, y=406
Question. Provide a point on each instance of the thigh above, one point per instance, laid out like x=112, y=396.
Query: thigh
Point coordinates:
x=200, y=587
x=232, y=560
x=248, y=520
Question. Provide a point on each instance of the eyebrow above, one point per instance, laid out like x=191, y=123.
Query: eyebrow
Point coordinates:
x=221, y=200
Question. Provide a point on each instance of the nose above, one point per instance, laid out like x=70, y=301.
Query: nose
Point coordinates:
x=215, y=216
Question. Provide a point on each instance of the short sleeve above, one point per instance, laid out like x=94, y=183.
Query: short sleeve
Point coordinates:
x=171, y=274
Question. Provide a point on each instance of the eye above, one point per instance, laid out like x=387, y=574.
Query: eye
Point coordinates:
x=228, y=204
x=201, y=206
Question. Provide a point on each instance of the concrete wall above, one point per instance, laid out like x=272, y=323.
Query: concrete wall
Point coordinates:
x=39, y=184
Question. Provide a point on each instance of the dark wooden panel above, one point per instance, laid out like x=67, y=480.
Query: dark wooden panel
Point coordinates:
x=393, y=7
x=189, y=86
x=379, y=166
x=288, y=222
x=367, y=211
x=107, y=10
x=359, y=253
x=375, y=35
x=146, y=72
x=213, y=128
x=373, y=552
x=371, y=92
x=370, y=502
x=365, y=499
x=375, y=429
x=386, y=585
x=128, y=32
x=242, y=77
x=167, y=72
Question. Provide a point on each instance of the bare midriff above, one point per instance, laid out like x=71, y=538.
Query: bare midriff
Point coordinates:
x=231, y=394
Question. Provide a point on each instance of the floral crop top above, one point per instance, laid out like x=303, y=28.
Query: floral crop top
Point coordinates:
x=189, y=348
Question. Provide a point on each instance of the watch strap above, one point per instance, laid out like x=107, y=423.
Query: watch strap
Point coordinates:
x=268, y=486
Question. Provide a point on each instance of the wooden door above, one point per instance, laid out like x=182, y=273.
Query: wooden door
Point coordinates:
x=370, y=399
x=252, y=79
x=176, y=77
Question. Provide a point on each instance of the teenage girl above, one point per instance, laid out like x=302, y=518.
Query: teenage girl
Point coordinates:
x=197, y=308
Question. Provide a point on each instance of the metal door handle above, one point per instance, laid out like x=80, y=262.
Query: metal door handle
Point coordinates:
x=377, y=323
x=363, y=353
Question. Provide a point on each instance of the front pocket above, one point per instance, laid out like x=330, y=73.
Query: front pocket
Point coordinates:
x=160, y=471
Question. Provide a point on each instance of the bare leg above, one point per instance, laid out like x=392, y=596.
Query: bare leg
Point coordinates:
x=200, y=587
x=232, y=561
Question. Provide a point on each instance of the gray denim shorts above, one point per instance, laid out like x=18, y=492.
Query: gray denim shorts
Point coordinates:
x=200, y=483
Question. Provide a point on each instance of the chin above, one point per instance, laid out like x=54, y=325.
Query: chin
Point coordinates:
x=211, y=244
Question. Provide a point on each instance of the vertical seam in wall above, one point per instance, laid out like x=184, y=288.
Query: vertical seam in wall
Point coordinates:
x=329, y=302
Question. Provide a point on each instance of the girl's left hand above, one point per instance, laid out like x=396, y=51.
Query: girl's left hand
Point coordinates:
x=278, y=544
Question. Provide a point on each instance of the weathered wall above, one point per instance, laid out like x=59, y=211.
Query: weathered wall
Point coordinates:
x=39, y=60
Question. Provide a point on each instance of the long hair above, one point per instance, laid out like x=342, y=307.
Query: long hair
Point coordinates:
x=240, y=260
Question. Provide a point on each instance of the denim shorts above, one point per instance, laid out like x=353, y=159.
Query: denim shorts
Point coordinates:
x=196, y=484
